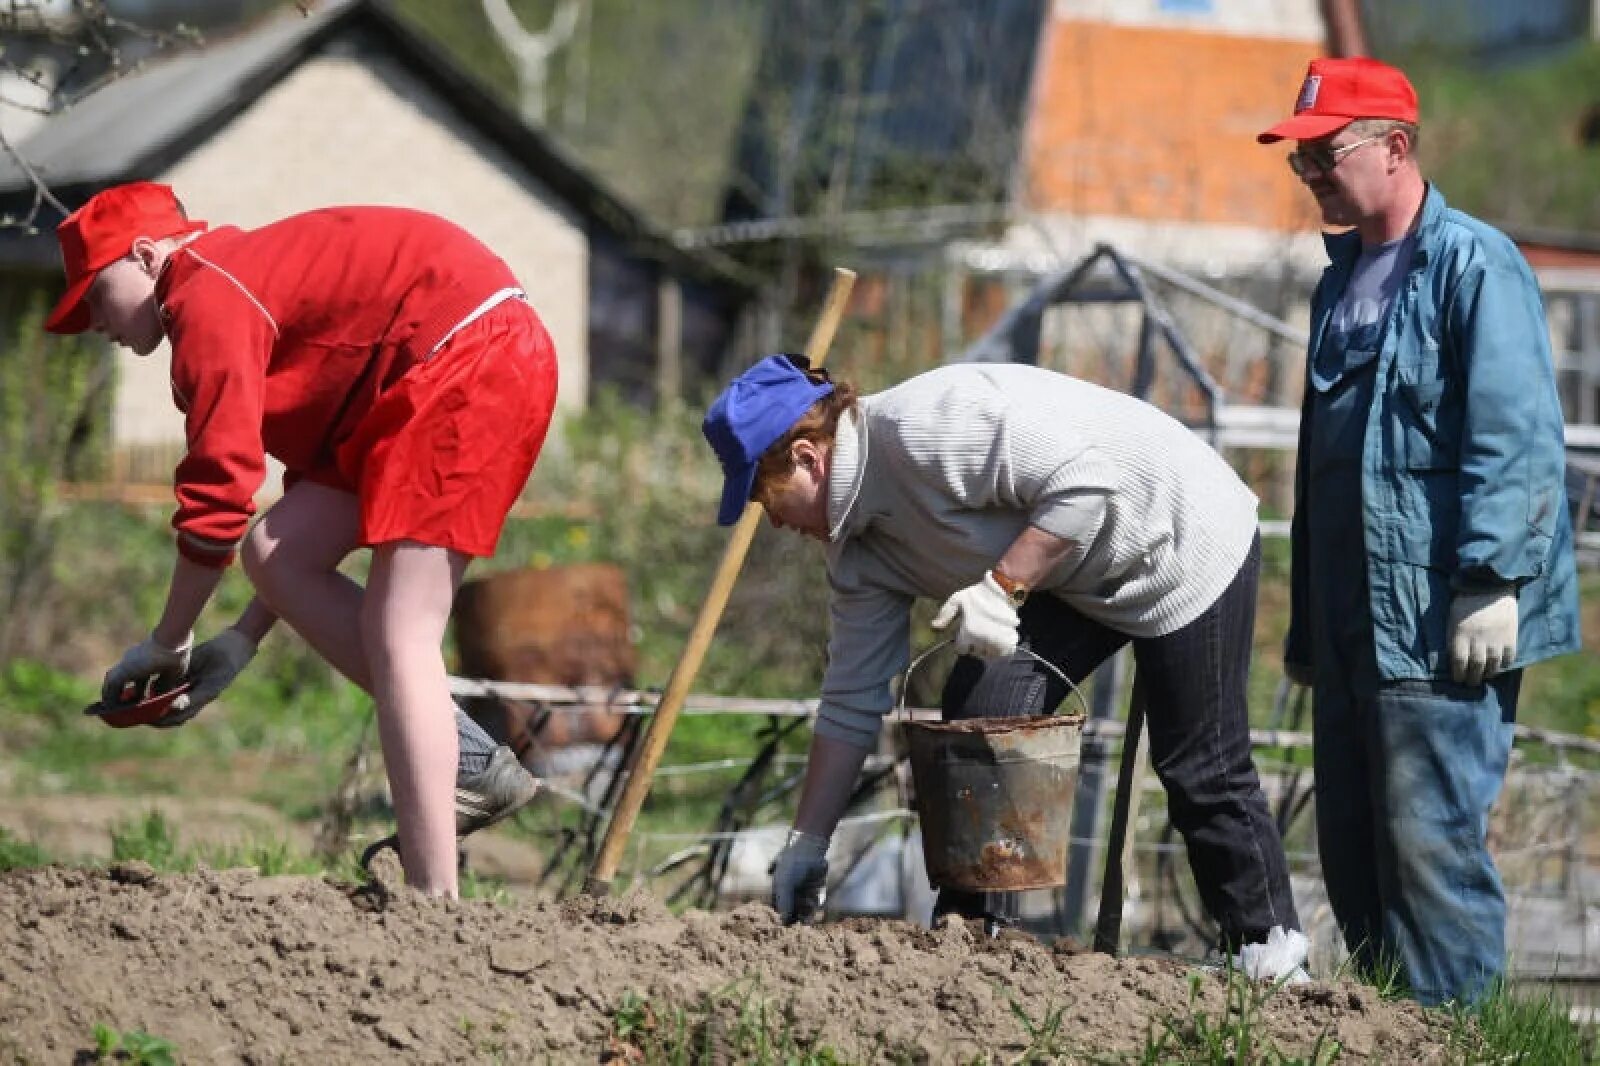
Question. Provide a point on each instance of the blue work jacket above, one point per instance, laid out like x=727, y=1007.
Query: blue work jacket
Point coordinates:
x=1464, y=453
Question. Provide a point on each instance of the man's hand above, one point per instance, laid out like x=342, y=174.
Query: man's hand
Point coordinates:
x=1483, y=634
x=988, y=626
x=800, y=878
x=139, y=663
x=212, y=668
x=1298, y=673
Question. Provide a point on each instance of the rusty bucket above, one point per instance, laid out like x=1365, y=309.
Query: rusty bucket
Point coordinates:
x=994, y=796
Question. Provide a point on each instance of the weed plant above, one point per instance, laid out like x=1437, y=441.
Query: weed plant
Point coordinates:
x=733, y=1024
x=136, y=1047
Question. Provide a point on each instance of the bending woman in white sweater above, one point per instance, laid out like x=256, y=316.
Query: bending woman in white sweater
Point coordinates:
x=1039, y=509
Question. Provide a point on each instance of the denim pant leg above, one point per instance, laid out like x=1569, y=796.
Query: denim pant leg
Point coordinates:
x=1196, y=704
x=1344, y=754
x=1444, y=749
x=1022, y=686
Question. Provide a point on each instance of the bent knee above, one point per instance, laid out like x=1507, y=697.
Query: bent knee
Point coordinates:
x=275, y=565
x=255, y=555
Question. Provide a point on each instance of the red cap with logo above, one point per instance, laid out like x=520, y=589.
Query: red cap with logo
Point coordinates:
x=1336, y=92
x=102, y=231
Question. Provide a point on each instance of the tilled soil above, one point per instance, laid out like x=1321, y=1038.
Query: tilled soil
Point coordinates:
x=234, y=967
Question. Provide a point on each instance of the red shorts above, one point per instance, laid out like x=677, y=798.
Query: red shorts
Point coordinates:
x=442, y=455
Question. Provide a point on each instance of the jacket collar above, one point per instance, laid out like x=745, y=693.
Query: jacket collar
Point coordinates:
x=846, y=473
x=1343, y=247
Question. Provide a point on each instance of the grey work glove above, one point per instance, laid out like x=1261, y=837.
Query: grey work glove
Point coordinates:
x=800, y=878
x=1483, y=634
x=212, y=668
x=140, y=663
x=988, y=625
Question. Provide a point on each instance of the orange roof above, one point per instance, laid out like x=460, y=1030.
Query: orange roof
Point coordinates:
x=1159, y=124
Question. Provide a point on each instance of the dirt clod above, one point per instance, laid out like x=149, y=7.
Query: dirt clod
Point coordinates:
x=232, y=967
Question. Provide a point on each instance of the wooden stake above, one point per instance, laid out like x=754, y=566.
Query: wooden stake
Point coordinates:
x=1108, y=929
x=643, y=770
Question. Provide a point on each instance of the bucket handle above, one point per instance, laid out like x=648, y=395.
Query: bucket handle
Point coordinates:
x=905, y=685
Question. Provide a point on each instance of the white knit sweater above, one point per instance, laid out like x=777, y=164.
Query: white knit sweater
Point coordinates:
x=932, y=480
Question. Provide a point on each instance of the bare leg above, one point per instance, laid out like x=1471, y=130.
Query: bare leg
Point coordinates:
x=291, y=557
x=402, y=626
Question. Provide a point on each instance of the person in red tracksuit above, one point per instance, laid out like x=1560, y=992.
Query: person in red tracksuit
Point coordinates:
x=391, y=363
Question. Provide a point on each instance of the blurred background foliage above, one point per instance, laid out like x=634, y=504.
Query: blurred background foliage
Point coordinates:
x=1536, y=164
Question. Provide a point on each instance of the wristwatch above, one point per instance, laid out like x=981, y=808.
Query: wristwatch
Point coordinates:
x=1015, y=590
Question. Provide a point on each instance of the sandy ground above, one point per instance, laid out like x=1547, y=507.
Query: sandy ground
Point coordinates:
x=234, y=967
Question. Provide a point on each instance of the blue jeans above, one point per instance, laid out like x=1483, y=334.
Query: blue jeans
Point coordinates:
x=1197, y=714
x=1406, y=776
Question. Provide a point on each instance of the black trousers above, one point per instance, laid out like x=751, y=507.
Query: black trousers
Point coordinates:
x=1197, y=713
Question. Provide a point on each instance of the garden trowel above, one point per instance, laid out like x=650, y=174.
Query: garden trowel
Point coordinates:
x=141, y=704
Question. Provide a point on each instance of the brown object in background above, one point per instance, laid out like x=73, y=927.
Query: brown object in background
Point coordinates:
x=560, y=625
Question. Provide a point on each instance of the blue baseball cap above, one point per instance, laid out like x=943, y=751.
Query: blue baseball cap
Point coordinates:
x=753, y=413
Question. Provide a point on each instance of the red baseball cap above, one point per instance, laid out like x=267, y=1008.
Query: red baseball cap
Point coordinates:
x=1336, y=92
x=101, y=232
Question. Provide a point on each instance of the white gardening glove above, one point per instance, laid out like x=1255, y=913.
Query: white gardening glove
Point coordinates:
x=139, y=664
x=1280, y=959
x=800, y=878
x=988, y=627
x=212, y=668
x=1483, y=634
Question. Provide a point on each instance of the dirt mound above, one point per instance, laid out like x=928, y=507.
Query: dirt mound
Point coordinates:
x=230, y=966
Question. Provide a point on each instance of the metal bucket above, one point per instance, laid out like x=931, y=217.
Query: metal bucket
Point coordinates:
x=994, y=796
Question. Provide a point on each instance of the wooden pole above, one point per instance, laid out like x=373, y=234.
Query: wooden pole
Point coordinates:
x=1108, y=929
x=643, y=770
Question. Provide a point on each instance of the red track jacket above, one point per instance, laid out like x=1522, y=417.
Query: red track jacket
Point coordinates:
x=282, y=338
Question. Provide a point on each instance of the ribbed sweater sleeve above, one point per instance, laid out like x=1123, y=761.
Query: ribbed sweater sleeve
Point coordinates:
x=867, y=647
x=221, y=340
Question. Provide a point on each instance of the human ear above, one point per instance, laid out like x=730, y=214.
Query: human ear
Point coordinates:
x=1399, y=144
x=804, y=454
x=147, y=254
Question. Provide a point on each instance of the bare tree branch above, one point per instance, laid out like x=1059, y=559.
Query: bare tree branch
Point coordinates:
x=41, y=191
x=58, y=56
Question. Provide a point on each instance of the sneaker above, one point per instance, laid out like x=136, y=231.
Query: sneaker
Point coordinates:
x=495, y=793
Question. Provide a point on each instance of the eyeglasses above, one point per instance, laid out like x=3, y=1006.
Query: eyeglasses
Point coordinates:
x=1315, y=160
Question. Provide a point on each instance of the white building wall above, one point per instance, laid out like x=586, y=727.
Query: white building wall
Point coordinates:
x=342, y=130
x=1049, y=242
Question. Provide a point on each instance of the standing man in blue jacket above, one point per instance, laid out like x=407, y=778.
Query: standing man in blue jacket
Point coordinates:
x=1432, y=549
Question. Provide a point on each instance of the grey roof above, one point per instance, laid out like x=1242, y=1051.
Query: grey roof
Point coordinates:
x=117, y=132
x=139, y=125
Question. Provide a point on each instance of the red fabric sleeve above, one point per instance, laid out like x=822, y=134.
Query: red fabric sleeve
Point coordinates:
x=221, y=338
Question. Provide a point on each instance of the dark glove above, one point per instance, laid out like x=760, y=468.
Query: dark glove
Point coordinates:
x=139, y=664
x=212, y=668
x=800, y=878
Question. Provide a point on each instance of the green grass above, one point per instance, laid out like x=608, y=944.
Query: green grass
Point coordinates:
x=136, y=1047
x=1515, y=1029
x=1046, y=1041
x=1229, y=1037
x=733, y=1024
x=739, y=1023
x=150, y=837
x=19, y=855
